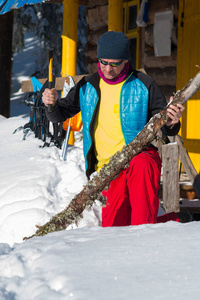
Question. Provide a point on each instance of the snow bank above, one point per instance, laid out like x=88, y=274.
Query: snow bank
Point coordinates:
x=157, y=261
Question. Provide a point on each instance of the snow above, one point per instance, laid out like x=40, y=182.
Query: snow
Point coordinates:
x=153, y=261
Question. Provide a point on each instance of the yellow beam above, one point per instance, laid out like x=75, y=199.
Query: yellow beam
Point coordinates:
x=69, y=42
x=115, y=15
x=69, y=37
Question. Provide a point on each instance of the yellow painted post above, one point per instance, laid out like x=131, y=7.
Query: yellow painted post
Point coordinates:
x=69, y=42
x=69, y=37
x=188, y=56
x=115, y=15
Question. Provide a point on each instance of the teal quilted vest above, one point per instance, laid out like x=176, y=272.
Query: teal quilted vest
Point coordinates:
x=133, y=110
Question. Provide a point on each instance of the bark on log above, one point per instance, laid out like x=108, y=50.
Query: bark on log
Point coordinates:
x=93, y=190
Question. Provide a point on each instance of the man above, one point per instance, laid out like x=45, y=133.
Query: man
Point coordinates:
x=116, y=102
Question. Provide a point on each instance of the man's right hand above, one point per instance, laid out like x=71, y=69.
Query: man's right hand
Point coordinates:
x=50, y=96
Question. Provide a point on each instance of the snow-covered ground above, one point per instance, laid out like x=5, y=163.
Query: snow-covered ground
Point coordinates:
x=158, y=261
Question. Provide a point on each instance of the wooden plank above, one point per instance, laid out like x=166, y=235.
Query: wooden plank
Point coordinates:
x=188, y=166
x=171, y=191
x=190, y=203
x=192, y=206
x=26, y=86
x=59, y=82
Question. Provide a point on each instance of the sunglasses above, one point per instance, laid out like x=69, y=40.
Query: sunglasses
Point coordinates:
x=112, y=64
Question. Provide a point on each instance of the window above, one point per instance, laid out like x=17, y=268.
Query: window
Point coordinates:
x=130, y=11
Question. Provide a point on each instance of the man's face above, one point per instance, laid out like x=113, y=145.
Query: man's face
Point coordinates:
x=110, y=72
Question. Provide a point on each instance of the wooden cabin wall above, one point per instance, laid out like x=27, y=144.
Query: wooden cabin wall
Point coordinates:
x=97, y=24
x=161, y=69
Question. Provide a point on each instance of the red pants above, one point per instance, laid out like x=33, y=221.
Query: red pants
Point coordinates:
x=132, y=198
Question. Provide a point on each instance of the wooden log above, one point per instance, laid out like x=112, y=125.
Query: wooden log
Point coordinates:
x=160, y=6
x=187, y=191
x=161, y=62
x=92, y=3
x=171, y=190
x=97, y=17
x=118, y=162
x=164, y=78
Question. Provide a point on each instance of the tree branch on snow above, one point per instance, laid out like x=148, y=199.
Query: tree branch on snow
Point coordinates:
x=101, y=181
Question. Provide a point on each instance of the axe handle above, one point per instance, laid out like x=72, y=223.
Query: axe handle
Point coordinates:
x=50, y=75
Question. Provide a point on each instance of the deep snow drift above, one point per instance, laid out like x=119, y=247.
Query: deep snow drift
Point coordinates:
x=137, y=262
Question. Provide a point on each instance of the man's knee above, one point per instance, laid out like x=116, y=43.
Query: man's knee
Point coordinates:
x=141, y=161
x=145, y=164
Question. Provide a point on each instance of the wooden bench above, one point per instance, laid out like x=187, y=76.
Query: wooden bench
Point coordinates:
x=172, y=188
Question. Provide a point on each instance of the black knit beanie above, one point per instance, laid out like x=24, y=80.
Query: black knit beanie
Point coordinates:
x=113, y=45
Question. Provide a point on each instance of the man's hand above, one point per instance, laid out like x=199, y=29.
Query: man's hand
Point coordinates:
x=50, y=96
x=174, y=113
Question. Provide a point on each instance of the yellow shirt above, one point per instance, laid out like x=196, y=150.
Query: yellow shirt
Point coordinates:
x=108, y=134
